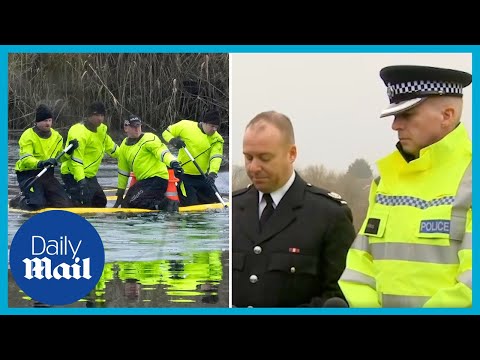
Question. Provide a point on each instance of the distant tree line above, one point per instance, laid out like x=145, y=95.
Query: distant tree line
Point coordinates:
x=353, y=185
x=160, y=88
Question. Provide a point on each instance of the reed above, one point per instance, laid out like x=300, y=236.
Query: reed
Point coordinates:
x=160, y=88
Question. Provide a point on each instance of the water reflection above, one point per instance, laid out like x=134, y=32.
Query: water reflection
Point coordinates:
x=152, y=260
x=196, y=279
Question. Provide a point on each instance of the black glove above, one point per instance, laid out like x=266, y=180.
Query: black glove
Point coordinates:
x=177, y=142
x=75, y=145
x=211, y=178
x=49, y=162
x=84, y=193
x=119, y=195
x=178, y=170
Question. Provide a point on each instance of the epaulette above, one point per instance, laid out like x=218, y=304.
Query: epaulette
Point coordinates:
x=328, y=194
x=241, y=191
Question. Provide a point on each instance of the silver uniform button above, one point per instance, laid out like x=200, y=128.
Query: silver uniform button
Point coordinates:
x=253, y=279
x=257, y=250
x=292, y=269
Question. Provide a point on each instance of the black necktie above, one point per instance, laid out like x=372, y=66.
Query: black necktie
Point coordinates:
x=267, y=211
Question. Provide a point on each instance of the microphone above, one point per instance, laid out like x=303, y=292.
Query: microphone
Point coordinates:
x=335, y=302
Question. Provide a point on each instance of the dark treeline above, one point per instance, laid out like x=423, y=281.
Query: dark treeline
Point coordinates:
x=160, y=88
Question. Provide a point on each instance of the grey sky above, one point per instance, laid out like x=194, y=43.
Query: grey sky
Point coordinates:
x=333, y=100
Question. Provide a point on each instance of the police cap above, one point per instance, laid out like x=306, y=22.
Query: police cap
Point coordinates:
x=133, y=120
x=409, y=85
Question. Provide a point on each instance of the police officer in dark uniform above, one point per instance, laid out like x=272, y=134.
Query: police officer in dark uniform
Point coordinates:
x=289, y=238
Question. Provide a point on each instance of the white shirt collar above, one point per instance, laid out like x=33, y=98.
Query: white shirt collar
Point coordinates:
x=277, y=195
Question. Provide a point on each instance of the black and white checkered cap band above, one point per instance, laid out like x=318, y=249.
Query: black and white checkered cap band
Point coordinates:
x=133, y=120
x=423, y=86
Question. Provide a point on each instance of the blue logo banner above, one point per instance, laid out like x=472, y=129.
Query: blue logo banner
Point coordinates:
x=57, y=257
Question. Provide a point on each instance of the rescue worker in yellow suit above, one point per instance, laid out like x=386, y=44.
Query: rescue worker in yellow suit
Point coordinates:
x=39, y=147
x=414, y=248
x=79, y=173
x=148, y=158
x=205, y=145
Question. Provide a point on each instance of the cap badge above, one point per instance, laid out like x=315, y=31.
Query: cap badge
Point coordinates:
x=390, y=91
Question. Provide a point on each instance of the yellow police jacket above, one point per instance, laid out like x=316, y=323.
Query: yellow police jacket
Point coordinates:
x=147, y=158
x=206, y=149
x=33, y=149
x=414, y=248
x=92, y=146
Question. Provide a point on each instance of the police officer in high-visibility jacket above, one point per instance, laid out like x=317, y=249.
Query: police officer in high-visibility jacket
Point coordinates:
x=414, y=248
x=79, y=172
x=147, y=157
x=205, y=145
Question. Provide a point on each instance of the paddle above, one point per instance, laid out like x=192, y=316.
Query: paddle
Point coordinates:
x=205, y=176
x=44, y=170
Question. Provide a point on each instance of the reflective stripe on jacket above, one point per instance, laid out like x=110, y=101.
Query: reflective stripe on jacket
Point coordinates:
x=206, y=149
x=414, y=248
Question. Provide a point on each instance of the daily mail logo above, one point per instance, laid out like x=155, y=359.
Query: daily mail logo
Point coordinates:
x=57, y=264
x=41, y=268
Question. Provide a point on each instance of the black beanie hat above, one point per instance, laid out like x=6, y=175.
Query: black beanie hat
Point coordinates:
x=212, y=117
x=43, y=113
x=96, y=108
